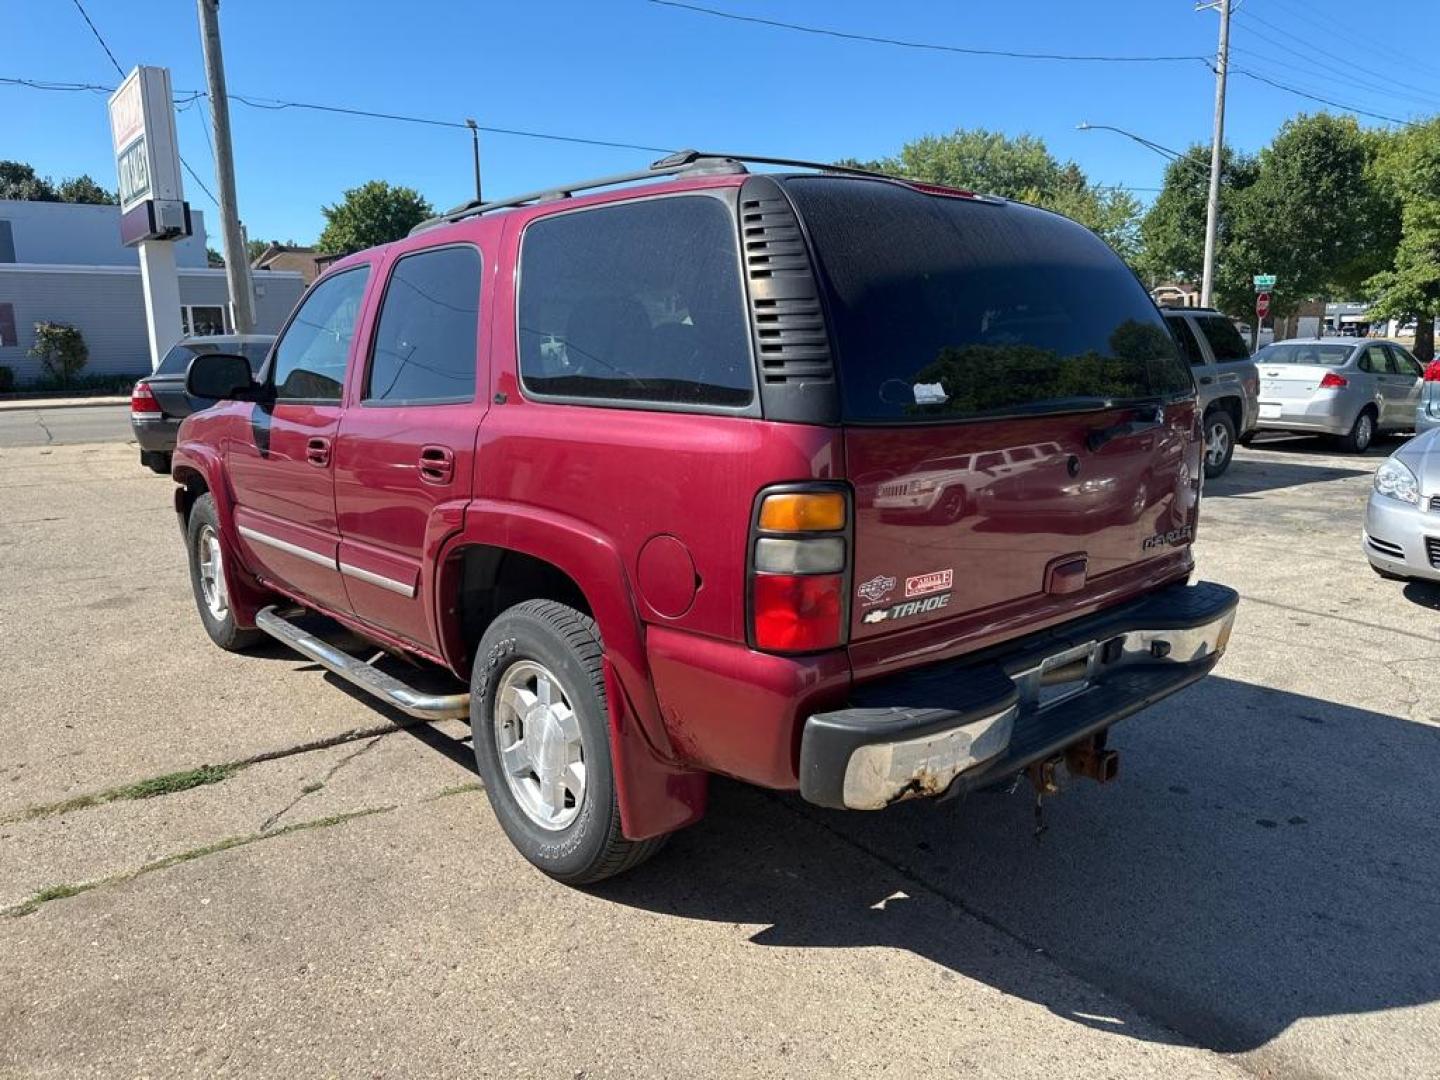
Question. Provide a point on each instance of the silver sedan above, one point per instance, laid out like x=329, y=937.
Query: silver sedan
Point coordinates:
x=1402, y=519
x=1338, y=386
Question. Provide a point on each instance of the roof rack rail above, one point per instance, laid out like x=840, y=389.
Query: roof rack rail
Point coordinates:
x=693, y=162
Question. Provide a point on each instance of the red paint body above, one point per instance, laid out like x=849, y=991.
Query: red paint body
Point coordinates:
x=588, y=490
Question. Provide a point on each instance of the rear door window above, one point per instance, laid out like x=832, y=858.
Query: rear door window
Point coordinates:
x=1225, y=341
x=425, y=343
x=637, y=302
x=950, y=308
x=1185, y=337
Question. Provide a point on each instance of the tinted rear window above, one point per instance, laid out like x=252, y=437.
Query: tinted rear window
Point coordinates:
x=1305, y=353
x=953, y=308
x=177, y=360
x=636, y=302
x=1225, y=341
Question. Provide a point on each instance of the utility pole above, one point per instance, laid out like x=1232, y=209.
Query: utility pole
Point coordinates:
x=475, y=145
x=237, y=266
x=1212, y=205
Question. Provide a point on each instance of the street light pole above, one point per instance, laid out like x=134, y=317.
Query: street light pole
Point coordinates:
x=237, y=266
x=475, y=146
x=1212, y=203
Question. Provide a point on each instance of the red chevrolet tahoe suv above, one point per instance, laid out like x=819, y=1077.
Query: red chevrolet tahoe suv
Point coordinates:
x=817, y=479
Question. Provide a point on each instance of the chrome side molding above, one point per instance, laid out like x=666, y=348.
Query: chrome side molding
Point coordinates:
x=287, y=547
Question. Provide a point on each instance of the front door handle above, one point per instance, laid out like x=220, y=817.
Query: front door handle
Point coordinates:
x=437, y=464
x=1206, y=380
x=317, y=451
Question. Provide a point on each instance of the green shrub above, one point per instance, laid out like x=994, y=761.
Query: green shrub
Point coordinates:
x=61, y=351
x=7, y=379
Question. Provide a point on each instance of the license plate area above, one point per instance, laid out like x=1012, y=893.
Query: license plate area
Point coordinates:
x=1058, y=678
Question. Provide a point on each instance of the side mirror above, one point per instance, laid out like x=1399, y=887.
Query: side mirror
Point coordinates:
x=222, y=376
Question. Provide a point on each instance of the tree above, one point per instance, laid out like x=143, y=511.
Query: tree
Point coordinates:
x=84, y=189
x=255, y=248
x=1019, y=168
x=1315, y=214
x=20, y=181
x=374, y=213
x=214, y=259
x=1172, y=233
x=1407, y=169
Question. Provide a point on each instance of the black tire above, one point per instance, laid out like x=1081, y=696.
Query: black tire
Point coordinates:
x=156, y=461
x=220, y=625
x=1362, y=432
x=1219, y=431
x=565, y=643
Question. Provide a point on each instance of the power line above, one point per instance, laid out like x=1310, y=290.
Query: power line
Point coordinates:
x=1322, y=100
x=81, y=8
x=274, y=105
x=1252, y=17
x=1373, y=89
x=926, y=45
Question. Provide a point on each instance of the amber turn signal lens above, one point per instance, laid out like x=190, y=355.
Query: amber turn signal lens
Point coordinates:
x=803, y=511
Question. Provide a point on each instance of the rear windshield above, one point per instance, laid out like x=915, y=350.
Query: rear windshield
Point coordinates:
x=949, y=308
x=1305, y=353
x=177, y=360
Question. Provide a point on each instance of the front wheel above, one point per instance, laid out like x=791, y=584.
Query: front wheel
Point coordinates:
x=207, y=579
x=1219, y=442
x=1361, y=433
x=540, y=732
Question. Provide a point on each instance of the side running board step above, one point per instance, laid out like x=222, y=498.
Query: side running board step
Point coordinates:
x=366, y=676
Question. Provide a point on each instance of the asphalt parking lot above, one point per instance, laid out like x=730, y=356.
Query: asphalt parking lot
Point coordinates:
x=1258, y=894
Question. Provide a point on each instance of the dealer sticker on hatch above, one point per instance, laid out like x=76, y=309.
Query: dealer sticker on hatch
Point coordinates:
x=935, y=581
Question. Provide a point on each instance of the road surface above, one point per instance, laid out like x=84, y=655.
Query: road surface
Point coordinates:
x=65, y=426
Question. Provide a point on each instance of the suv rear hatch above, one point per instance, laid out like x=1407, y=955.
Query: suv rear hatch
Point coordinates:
x=1018, y=422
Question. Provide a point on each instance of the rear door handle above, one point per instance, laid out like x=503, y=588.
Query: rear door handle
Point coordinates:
x=317, y=451
x=437, y=464
x=1206, y=380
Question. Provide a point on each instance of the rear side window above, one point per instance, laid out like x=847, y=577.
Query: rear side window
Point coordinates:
x=1185, y=338
x=636, y=302
x=1225, y=341
x=1406, y=364
x=311, y=356
x=949, y=308
x=425, y=341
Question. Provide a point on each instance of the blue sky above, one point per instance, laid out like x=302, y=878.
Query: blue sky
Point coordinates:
x=631, y=71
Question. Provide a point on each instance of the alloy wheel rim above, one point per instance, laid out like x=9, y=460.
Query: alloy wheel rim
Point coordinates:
x=1362, y=431
x=1217, y=444
x=537, y=737
x=212, y=573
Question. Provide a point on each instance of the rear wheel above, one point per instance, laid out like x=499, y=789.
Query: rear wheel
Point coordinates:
x=1219, y=442
x=540, y=732
x=1361, y=433
x=207, y=579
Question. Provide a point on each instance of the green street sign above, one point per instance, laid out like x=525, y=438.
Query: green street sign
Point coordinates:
x=1264, y=282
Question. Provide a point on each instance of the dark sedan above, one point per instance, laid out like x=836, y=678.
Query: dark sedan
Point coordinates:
x=159, y=402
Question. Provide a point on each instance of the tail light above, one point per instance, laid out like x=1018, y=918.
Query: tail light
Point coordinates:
x=1331, y=381
x=799, y=569
x=1432, y=371
x=143, y=405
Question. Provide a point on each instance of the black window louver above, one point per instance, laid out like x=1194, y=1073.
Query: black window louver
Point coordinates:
x=797, y=371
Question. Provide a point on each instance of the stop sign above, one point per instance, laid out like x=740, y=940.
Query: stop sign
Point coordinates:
x=1262, y=305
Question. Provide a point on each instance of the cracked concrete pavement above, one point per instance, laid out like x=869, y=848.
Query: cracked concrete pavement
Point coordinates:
x=53, y=424
x=1255, y=896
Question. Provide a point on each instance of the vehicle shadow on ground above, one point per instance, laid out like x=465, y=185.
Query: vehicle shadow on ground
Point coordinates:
x=1425, y=594
x=1250, y=475
x=1264, y=857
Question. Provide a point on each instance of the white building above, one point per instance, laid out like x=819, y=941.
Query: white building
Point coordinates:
x=63, y=262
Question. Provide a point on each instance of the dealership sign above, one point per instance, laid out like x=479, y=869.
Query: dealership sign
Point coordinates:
x=147, y=158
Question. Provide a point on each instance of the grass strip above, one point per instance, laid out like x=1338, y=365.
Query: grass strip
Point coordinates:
x=63, y=891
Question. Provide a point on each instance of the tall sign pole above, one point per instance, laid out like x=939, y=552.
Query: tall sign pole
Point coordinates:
x=1212, y=204
x=237, y=266
x=153, y=210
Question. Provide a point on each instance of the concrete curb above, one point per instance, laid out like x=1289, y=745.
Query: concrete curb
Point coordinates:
x=62, y=403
